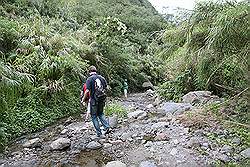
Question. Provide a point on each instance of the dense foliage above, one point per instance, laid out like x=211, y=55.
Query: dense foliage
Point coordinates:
x=46, y=47
x=208, y=51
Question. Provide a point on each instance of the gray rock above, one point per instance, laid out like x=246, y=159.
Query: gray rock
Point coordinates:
x=149, y=106
x=93, y=145
x=200, y=97
x=113, y=121
x=137, y=114
x=148, y=85
x=148, y=144
x=226, y=149
x=115, y=164
x=194, y=142
x=60, y=144
x=174, y=151
x=236, y=141
x=36, y=142
x=147, y=164
x=223, y=157
x=246, y=153
x=159, y=125
x=176, y=108
x=77, y=127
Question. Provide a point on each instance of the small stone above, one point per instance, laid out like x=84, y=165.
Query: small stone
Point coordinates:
x=175, y=141
x=64, y=131
x=223, y=157
x=226, y=149
x=205, y=145
x=36, y=142
x=246, y=153
x=236, y=141
x=137, y=113
x=113, y=121
x=115, y=164
x=107, y=145
x=148, y=144
x=161, y=137
x=93, y=145
x=149, y=106
x=147, y=164
x=174, y=151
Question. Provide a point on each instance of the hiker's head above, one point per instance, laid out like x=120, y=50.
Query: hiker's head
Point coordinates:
x=92, y=69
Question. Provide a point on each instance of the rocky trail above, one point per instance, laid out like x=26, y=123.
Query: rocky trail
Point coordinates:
x=152, y=135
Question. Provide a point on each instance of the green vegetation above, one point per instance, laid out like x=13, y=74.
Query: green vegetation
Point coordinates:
x=115, y=109
x=46, y=47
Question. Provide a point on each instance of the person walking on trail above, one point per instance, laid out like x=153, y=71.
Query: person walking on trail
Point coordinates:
x=125, y=88
x=97, y=85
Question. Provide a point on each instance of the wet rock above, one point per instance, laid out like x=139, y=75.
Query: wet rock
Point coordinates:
x=147, y=164
x=200, y=97
x=137, y=114
x=113, y=121
x=148, y=85
x=93, y=145
x=60, y=144
x=246, y=153
x=36, y=142
x=115, y=164
x=176, y=108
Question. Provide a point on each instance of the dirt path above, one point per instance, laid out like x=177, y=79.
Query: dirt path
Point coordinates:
x=149, y=137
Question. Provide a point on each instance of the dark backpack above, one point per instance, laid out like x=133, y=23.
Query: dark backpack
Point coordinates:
x=99, y=95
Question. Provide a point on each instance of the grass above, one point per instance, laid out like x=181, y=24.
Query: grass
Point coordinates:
x=115, y=108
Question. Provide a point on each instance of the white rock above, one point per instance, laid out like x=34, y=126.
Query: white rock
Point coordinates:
x=60, y=144
x=115, y=164
x=149, y=106
x=136, y=114
x=93, y=145
x=246, y=153
x=36, y=142
x=174, y=151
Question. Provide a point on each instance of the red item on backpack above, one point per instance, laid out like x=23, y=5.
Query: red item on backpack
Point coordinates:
x=84, y=89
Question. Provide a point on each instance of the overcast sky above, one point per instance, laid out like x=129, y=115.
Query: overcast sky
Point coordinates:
x=158, y=4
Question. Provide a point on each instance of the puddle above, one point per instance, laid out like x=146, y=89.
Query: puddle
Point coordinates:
x=95, y=158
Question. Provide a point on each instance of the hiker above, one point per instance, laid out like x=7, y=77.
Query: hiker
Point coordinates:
x=97, y=85
x=125, y=88
x=87, y=100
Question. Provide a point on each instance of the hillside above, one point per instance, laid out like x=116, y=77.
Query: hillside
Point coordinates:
x=47, y=46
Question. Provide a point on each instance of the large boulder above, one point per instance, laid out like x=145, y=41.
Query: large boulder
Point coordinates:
x=115, y=164
x=148, y=84
x=60, y=144
x=36, y=142
x=176, y=108
x=200, y=97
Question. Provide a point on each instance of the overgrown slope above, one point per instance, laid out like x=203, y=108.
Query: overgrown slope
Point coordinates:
x=46, y=47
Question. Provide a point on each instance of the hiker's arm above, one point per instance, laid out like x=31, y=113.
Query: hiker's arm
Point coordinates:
x=85, y=95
